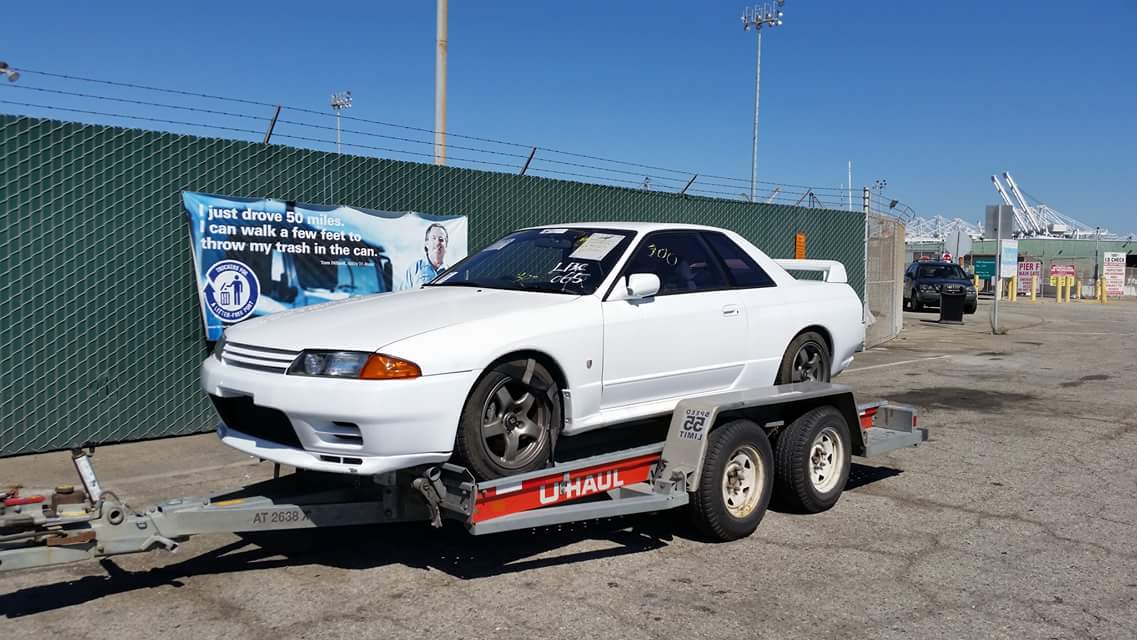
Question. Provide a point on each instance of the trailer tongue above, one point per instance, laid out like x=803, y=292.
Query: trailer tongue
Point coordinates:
x=717, y=457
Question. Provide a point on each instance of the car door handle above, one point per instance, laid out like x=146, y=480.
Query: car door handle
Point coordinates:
x=731, y=310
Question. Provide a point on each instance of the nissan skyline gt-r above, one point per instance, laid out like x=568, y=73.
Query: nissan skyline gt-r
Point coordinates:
x=548, y=332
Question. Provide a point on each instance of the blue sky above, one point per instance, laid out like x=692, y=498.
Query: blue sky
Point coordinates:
x=932, y=96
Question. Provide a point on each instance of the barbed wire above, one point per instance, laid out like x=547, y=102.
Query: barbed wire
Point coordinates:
x=536, y=157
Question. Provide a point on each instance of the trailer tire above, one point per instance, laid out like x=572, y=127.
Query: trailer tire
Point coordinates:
x=812, y=459
x=736, y=482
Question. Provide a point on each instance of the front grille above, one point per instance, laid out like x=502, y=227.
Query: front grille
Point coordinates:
x=240, y=414
x=248, y=356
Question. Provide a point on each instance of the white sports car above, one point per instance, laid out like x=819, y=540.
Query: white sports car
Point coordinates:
x=548, y=331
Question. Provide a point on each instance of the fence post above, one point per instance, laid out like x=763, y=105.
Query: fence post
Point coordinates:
x=1033, y=288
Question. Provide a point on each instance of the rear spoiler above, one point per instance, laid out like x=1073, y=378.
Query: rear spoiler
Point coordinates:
x=834, y=271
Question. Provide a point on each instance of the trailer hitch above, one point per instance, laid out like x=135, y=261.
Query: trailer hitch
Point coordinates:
x=429, y=484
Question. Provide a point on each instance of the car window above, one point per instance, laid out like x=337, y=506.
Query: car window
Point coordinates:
x=942, y=271
x=740, y=267
x=681, y=260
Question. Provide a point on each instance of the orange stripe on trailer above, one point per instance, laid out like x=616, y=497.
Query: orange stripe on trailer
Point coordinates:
x=556, y=488
x=15, y=502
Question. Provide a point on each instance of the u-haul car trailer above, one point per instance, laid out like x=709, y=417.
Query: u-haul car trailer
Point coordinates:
x=717, y=459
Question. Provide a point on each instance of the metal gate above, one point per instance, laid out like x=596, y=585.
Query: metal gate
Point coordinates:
x=884, y=278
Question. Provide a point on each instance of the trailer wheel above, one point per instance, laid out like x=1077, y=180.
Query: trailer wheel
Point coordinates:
x=812, y=461
x=736, y=482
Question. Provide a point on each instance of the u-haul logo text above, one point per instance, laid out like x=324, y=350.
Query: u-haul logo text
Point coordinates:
x=580, y=487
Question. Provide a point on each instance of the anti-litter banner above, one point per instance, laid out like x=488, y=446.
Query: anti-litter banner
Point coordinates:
x=255, y=257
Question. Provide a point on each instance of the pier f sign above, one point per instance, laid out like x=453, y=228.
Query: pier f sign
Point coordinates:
x=255, y=257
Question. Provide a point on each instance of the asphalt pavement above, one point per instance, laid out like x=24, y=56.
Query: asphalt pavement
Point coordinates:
x=1016, y=520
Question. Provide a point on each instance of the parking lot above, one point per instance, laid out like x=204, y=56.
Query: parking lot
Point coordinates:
x=1017, y=519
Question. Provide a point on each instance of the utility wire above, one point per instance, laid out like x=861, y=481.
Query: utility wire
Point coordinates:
x=681, y=174
x=370, y=121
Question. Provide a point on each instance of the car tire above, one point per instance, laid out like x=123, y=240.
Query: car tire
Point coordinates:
x=736, y=482
x=917, y=306
x=907, y=305
x=509, y=420
x=798, y=363
x=812, y=459
x=970, y=309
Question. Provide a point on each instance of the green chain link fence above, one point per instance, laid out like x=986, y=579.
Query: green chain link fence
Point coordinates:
x=100, y=330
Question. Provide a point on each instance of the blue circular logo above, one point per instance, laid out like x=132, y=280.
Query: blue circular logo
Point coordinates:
x=231, y=290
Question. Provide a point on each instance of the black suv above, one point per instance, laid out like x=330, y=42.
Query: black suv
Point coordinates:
x=923, y=282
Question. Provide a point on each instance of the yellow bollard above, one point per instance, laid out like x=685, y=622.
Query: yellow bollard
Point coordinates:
x=1078, y=289
x=977, y=283
x=1013, y=294
x=1063, y=289
x=1054, y=283
x=1033, y=287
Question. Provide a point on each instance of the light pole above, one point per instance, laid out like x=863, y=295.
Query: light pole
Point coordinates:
x=441, y=53
x=340, y=101
x=1097, y=256
x=754, y=18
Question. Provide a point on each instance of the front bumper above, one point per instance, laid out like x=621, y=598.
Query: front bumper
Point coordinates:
x=932, y=298
x=345, y=426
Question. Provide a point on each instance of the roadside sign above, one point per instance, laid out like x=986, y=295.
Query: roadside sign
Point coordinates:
x=1027, y=270
x=1057, y=269
x=1008, y=265
x=799, y=246
x=985, y=268
x=947, y=257
x=958, y=243
x=1113, y=272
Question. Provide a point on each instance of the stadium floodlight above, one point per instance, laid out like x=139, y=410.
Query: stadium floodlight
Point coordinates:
x=340, y=101
x=755, y=18
x=12, y=74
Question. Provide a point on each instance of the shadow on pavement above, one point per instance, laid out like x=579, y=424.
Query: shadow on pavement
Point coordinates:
x=450, y=549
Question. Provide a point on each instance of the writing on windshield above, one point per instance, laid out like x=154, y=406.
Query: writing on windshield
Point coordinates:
x=561, y=260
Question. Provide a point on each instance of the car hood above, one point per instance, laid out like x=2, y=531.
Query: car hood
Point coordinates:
x=368, y=323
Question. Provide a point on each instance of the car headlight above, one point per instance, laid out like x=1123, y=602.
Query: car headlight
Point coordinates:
x=352, y=364
x=219, y=347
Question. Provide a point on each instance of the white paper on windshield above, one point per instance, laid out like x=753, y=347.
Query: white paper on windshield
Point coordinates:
x=553, y=230
x=498, y=245
x=597, y=246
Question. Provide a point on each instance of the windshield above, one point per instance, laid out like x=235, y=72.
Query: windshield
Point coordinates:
x=573, y=261
x=942, y=272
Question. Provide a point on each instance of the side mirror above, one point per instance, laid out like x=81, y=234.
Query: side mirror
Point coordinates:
x=642, y=285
